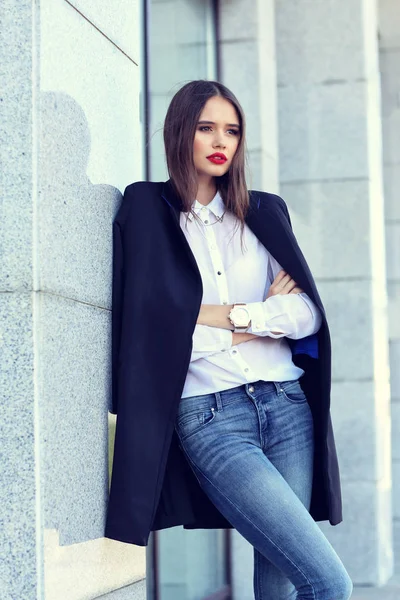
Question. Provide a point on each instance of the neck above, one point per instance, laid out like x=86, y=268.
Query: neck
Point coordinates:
x=206, y=190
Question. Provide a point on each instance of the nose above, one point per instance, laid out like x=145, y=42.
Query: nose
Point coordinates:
x=219, y=143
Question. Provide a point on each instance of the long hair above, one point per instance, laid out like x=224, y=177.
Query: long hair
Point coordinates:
x=179, y=130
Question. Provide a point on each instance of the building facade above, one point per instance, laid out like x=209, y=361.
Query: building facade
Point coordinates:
x=84, y=89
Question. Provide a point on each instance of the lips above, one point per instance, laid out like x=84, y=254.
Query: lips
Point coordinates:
x=217, y=158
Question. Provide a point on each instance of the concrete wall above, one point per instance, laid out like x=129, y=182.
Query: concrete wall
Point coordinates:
x=330, y=172
x=72, y=141
x=389, y=43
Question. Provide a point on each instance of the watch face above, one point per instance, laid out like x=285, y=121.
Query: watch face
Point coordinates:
x=241, y=317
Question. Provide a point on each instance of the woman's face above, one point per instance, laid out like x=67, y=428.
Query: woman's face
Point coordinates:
x=217, y=131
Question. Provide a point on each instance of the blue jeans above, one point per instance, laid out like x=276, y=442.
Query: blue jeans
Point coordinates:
x=251, y=449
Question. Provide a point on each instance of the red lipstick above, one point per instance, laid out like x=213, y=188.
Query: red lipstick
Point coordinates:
x=218, y=158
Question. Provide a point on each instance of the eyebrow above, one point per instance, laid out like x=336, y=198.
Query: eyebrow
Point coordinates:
x=213, y=123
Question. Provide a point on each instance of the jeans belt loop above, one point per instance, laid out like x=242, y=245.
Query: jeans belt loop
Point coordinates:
x=218, y=401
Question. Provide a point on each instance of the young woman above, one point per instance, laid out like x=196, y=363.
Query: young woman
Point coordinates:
x=221, y=361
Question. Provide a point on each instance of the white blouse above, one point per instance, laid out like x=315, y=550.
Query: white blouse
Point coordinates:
x=229, y=276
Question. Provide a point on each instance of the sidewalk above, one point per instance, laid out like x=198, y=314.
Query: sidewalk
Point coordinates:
x=390, y=591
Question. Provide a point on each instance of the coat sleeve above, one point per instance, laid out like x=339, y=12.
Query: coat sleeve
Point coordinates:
x=116, y=312
x=121, y=217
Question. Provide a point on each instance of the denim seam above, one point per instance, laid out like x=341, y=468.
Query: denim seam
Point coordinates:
x=255, y=404
x=257, y=572
x=247, y=519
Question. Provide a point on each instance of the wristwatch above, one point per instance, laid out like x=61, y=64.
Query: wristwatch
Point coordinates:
x=239, y=317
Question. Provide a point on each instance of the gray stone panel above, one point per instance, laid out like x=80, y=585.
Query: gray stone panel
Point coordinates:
x=396, y=488
x=239, y=20
x=395, y=425
x=75, y=239
x=262, y=172
x=390, y=74
x=90, y=129
x=115, y=20
x=331, y=223
x=391, y=175
x=19, y=503
x=136, y=591
x=393, y=288
x=389, y=24
x=242, y=567
x=319, y=41
x=16, y=150
x=362, y=436
x=394, y=351
x=391, y=590
x=349, y=312
x=369, y=557
x=323, y=132
x=75, y=375
x=393, y=250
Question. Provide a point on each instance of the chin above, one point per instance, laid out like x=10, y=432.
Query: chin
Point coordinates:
x=215, y=170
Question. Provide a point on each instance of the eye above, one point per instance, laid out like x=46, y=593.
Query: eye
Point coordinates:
x=207, y=127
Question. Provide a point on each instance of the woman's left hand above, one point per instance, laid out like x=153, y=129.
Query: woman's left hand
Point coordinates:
x=283, y=284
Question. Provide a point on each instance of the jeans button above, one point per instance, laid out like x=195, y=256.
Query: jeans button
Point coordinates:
x=251, y=389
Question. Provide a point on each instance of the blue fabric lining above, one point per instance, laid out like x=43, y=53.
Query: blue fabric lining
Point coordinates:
x=307, y=345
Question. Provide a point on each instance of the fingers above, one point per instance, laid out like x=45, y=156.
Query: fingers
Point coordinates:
x=289, y=286
x=284, y=284
x=279, y=276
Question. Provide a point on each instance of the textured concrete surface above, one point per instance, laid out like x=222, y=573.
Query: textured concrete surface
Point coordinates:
x=391, y=590
x=330, y=162
x=136, y=591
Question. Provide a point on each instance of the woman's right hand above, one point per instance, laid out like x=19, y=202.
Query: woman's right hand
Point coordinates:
x=283, y=284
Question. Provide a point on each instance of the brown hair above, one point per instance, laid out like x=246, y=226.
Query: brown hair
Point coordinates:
x=179, y=130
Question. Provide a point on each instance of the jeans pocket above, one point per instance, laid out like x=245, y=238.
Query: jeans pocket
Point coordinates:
x=293, y=392
x=191, y=422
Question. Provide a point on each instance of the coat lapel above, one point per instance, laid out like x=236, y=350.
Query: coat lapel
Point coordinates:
x=170, y=197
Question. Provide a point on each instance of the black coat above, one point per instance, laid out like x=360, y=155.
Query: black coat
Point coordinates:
x=156, y=297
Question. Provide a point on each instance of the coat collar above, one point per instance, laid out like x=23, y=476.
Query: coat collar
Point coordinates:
x=170, y=196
